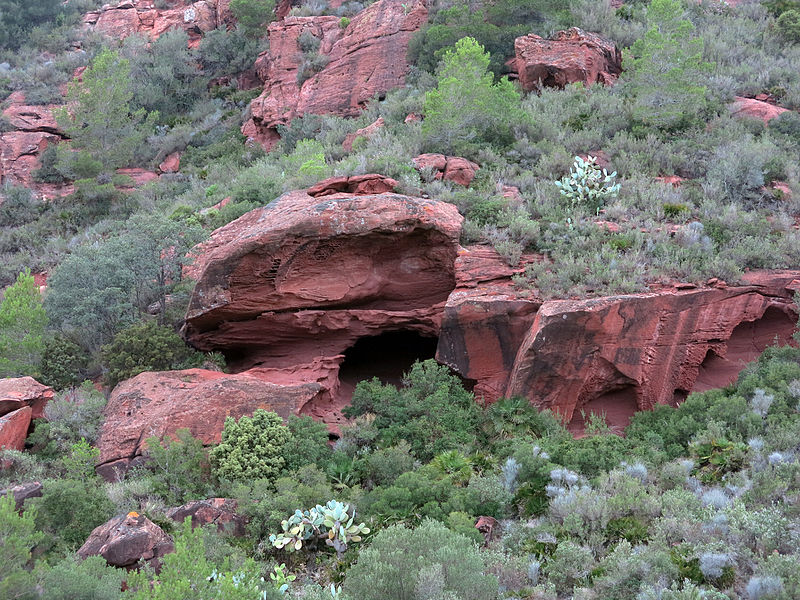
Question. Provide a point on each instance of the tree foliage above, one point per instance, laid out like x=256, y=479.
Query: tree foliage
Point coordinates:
x=468, y=109
x=253, y=15
x=22, y=324
x=18, y=536
x=665, y=71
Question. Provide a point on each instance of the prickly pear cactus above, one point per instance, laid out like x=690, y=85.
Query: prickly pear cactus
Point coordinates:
x=587, y=185
x=333, y=523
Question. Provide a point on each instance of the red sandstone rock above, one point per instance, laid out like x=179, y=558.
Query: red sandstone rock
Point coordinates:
x=142, y=17
x=158, y=404
x=215, y=511
x=127, y=541
x=22, y=492
x=365, y=132
x=19, y=154
x=673, y=180
x=452, y=168
x=570, y=56
x=488, y=526
x=140, y=177
x=30, y=118
x=171, y=164
x=289, y=287
x=485, y=320
x=358, y=185
x=366, y=59
x=750, y=108
x=16, y=393
x=14, y=429
x=620, y=354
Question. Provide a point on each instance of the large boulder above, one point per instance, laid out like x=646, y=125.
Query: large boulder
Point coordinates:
x=571, y=56
x=214, y=511
x=365, y=59
x=621, y=354
x=750, y=108
x=19, y=392
x=131, y=17
x=485, y=320
x=14, y=429
x=285, y=290
x=128, y=541
x=158, y=404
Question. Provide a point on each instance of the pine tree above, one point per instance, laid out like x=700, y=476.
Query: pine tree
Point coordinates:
x=22, y=324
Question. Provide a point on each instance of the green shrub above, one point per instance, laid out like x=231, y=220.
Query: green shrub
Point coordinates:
x=146, y=347
x=64, y=363
x=427, y=562
x=180, y=468
x=19, y=535
x=307, y=444
x=69, y=510
x=89, y=579
x=344, y=22
x=22, y=323
x=251, y=448
x=789, y=26
x=19, y=206
x=433, y=411
x=253, y=15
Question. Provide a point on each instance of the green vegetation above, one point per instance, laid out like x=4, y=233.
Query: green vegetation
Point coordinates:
x=22, y=326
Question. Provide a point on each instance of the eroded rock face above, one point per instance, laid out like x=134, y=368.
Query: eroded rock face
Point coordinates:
x=19, y=392
x=570, y=56
x=750, y=108
x=141, y=16
x=127, y=541
x=286, y=289
x=365, y=59
x=14, y=429
x=158, y=404
x=450, y=168
x=217, y=511
x=620, y=354
x=485, y=320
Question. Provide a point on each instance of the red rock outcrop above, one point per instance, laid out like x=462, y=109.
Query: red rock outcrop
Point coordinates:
x=485, y=320
x=14, y=429
x=215, y=511
x=750, y=108
x=289, y=287
x=22, y=492
x=620, y=354
x=141, y=16
x=570, y=56
x=127, y=541
x=365, y=59
x=19, y=392
x=365, y=132
x=171, y=164
x=357, y=185
x=451, y=168
x=158, y=404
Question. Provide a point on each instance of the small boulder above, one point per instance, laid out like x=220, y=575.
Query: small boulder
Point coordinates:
x=365, y=132
x=22, y=492
x=451, y=168
x=14, y=429
x=358, y=185
x=217, y=511
x=488, y=526
x=128, y=540
x=171, y=164
x=750, y=108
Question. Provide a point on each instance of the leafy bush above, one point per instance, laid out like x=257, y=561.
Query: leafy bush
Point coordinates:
x=89, y=579
x=253, y=15
x=427, y=562
x=251, y=448
x=146, y=347
x=22, y=323
x=19, y=535
x=180, y=468
x=64, y=363
x=789, y=26
x=432, y=411
x=307, y=444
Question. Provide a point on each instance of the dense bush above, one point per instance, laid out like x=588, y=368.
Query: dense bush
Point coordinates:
x=427, y=562
x=22, y=323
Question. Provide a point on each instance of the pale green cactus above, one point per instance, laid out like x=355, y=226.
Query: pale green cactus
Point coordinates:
x=587, y=185
x=332, y=523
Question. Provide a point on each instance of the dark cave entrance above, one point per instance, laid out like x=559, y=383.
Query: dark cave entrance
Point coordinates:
x=618, y=406
x=386, y=356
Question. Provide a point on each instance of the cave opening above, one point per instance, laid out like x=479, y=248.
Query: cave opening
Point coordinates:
x=387, y=356
x=617, y=406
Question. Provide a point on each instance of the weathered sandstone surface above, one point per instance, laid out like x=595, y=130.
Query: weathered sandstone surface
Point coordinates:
x=750, y=108
x=14, y=429
x=20, y=392
x=571, y=56
x=365, y=59
x=450, y=168
x=158, y=404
